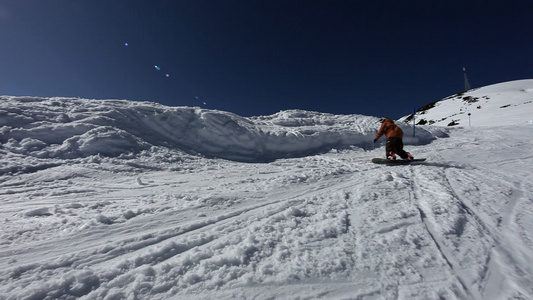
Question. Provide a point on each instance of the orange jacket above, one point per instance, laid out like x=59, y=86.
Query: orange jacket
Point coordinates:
x=389, y=129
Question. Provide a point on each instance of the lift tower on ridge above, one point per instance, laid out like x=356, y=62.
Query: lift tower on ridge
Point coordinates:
x=467, y=84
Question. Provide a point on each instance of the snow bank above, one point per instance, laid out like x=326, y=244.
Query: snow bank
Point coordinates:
x=71, y=128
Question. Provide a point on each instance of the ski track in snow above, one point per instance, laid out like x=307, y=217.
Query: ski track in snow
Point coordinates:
x=160, y=224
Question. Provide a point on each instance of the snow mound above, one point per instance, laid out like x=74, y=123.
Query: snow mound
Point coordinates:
x=508, y=103
x=74, y=128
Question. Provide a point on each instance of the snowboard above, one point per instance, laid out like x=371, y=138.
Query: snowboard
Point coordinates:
x=397, y=161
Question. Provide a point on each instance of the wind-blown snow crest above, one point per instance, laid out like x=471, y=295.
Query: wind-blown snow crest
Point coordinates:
x=70, y=128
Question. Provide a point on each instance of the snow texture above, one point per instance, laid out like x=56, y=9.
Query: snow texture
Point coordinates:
x=118, y=199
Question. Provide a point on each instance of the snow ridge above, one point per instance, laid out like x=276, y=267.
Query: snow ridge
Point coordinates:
x=71, y=128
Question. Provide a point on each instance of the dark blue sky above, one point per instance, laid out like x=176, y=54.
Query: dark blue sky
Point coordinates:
x=257, y=57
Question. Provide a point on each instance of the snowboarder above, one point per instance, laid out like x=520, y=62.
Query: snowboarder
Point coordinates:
x=394, y=136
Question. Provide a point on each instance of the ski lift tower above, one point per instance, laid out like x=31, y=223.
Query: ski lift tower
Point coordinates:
x=467, y=84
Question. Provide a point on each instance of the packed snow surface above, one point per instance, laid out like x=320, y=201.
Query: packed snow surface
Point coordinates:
x=135, y=200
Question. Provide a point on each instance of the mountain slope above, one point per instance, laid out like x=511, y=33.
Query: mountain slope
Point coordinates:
x=111, y=200
x=508, y=103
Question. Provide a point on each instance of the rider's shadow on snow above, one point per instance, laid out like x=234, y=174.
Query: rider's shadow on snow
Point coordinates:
x=445, y=165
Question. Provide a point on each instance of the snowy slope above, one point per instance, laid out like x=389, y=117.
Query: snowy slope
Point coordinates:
x=508, y=103
x=129, y=200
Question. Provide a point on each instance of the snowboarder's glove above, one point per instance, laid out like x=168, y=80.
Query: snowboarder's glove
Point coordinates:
x=375, y=140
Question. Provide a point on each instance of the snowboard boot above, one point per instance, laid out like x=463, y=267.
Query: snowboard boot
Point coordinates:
x=391, y=156
x=409, y=156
